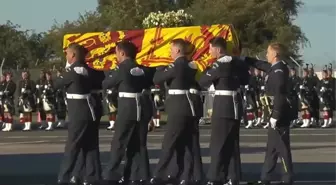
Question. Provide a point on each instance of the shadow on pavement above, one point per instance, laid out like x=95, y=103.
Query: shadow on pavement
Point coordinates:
x=37, y=169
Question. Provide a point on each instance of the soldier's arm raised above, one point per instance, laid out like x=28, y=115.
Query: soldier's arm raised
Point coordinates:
x=164, y=74
x=113, y=80
x=209, y=76
x=65, y=80
x=280, y=80
x=259, y=64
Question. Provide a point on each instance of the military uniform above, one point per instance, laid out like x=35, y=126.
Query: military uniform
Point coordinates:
x=61, y=107
x=178, y=138
x=82, y=131
x=326, y=101
x=47, y=103
x=227, y=74
x=7, y=103
x=306, y=97
x=2, y=83
x=97, y=78
x=250, y=94
x=278, y=144
x=130, y=130
x=27, y=103
x=315, y=103
x=294, y=88
x=41, y=115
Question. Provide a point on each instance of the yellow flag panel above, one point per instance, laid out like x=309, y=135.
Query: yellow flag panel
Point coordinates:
x=154, y=44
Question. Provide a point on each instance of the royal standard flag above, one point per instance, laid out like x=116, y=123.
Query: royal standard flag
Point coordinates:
x=154, y=44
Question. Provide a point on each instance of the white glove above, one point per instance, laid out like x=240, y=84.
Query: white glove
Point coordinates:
x=262, y=87
x=323, y=89
x=45, y=86
x=156, y=98
x=246, y=86
x=109, y=92
x=301, y=87
x=23, y=90
x=1, y=93
x=37, y=86
x=273, y=123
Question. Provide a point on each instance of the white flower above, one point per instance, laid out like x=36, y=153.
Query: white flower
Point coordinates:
x=168, y=19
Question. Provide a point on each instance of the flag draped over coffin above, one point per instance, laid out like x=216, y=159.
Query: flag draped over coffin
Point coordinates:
x=153, y=44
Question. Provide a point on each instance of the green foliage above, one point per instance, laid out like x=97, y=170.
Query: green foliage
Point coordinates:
x=258, y=22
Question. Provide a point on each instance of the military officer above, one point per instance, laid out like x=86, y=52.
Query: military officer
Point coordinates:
x=227, y=74
x=130, y=128
x=179, y=76
x=82, y=131
x=7, y=99
x=278, y=144
x=96, y=93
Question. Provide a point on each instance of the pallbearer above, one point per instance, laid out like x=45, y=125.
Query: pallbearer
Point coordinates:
x=82, y=130
x=7, y=99
x=227, y=74
x=179, y=76
x=131, y=127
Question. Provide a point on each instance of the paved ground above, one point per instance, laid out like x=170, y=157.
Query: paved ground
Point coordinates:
x=31, y=158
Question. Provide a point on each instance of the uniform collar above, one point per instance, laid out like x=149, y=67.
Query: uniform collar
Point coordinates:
x=276, y=63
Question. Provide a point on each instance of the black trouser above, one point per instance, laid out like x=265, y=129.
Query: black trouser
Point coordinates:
x=82, y=136
x=278, y=145
x=197, y=157
x=79, y=169
x=178, y=138
x=130, y=137
x=224, y=150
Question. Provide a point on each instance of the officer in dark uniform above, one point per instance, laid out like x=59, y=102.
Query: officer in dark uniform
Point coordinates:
x=96, y=93
x=294, y=89
x=179, y=76
x=227, y=74
x=82, y=130
x=278, y=144
x=130, y=127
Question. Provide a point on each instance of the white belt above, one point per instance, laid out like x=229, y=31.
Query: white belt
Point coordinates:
x=187, y=93
x=136, y=96
x=83, y=97
x=193, y=91
x=155, y=90
x=128, y=95
x=225, y=93
x=177, y=91
x=77, y=96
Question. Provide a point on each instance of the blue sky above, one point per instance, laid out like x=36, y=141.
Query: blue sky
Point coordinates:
x=317, y=18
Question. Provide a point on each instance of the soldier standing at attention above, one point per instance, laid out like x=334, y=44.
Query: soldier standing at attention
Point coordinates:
x=81, y=130
x=8, y=101
x=278, y=144
x=227, y=74
x=130, y=134
x=179, y=76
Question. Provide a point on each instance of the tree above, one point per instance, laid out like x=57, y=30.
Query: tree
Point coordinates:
x=13, y=46
x=258, y=22
x=127, y=14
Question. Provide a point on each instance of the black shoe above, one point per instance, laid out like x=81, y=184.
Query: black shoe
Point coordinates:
x=60, y=182
x=156, y=181
x=197, y=182
x=285, y=183
x=138, y=182
x=185, y=182
x=111, y=182
x=259, y=183
x=214, y=183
